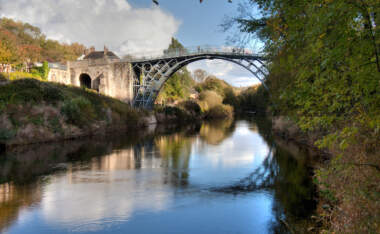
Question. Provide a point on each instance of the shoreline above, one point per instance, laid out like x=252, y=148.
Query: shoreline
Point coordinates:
x=342, y=183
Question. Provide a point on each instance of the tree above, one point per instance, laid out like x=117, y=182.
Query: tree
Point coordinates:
x=26, y=43
x=179, y=85
x=200, y=75
x=324, y=62
x=5, y=54
x=175, y=47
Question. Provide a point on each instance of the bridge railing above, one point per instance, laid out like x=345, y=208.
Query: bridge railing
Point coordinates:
x=187, y=52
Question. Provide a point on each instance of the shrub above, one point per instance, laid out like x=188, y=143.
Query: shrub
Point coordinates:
x=22, y=75
x=78, y=111
x=6, y=134
x=213, y=84
x=3, y=77
x=210, y=98
x=30, y=90
x=230, y=97
x=220, y=111
x=52, y=94
x=21, y=91
x=192, y=107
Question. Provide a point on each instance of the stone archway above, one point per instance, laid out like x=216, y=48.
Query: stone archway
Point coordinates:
x=85, y=81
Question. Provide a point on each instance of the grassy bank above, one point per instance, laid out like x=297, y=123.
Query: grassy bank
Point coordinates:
x=35, y=111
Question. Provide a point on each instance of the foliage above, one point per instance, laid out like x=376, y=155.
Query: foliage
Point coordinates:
x=20, y=75
x=209, y=99
x=220, y=111
x=80, y=107
x=3, y=77
x=254, y=98
x=325, y=66
x=325, y=73
x=179, y=86
x=6, y=134
x=22, y=43
x=192, y=107
x=41, y=72
x=78, y=111
x=175, y=47
x=214, y=84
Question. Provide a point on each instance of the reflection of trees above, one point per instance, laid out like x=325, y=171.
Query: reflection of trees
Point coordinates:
x=215, y=132
x=175, y=151
x=14, y=198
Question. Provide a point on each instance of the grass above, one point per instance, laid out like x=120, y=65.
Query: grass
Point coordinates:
x=19, y=75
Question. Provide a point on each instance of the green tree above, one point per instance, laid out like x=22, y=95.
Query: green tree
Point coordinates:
x=178, y=87
x=324, y=68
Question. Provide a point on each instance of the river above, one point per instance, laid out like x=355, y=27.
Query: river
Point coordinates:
x=224, y=177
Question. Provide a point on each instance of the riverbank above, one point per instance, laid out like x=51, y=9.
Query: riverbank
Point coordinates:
x=348, y=183
x=33, y=111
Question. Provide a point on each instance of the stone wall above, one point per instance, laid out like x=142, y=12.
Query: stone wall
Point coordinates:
x=59, y=76
x=109, y=77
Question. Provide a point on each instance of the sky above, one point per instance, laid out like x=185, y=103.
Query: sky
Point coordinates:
x=135, y=26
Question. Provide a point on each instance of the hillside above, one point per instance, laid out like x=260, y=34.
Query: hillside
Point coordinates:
x=35, y=111
x=22, y=43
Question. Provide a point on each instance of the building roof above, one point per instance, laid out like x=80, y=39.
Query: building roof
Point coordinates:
x=100, y=55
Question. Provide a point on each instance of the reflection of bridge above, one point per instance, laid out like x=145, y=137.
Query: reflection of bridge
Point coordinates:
x=152, y=72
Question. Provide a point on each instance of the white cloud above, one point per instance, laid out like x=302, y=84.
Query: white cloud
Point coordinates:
x=230, y=72
x=97, y=22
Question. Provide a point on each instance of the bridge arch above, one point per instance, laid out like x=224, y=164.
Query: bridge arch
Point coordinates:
x=187, y=62
x=85, y=80
x=156, y=72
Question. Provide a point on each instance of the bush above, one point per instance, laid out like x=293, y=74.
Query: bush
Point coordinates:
x=6, y=134
x=30, y=91
x=254, y=98
x=192, y=107
x=213, y=84
x=22, y=75
x=210, y=99
x=230, y=97
x=78, y=111
x=3, y=77
x=220, y=112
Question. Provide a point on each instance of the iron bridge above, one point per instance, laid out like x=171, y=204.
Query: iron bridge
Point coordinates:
x=152, y=72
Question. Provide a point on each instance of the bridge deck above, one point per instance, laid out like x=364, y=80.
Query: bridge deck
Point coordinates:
x=233, y=53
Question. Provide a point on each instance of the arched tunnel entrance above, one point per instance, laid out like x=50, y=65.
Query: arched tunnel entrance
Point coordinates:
x=85, y=81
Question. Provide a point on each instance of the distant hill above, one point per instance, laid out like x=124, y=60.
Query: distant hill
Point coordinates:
x=22, y=43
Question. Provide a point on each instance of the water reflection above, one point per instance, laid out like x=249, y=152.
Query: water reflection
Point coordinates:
x=183, y=180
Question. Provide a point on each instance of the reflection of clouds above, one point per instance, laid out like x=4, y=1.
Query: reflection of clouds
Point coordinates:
x=244, y=149
x=149, y=177
x=108, y=189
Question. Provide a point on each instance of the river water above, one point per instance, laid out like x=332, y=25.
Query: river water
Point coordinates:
x=224, y=177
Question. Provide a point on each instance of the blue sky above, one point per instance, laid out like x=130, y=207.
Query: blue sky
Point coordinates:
x=199, y=21
x=200, y=25
x=134, y=26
